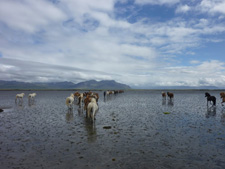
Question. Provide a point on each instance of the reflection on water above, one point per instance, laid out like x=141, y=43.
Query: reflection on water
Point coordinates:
x=31, y=102
x=223, y=115
x=69, y=115
x=80, y=111
x=163, y=101
x=19, y=105
x=211, y=111
x=170, y=102
x=91, y=130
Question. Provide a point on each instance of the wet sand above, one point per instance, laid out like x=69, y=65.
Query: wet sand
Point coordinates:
x=131, y=131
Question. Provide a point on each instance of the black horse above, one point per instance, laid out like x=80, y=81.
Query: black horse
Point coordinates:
x=210, y=98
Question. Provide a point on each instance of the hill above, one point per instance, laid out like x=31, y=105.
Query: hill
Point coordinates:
x=91, y=84
x=104, y=84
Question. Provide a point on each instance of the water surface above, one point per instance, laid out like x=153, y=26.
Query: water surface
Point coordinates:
x=130, y=131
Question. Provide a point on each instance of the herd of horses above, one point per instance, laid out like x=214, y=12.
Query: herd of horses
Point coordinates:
x=89, y=100
x=20, y=96
x=210, y=99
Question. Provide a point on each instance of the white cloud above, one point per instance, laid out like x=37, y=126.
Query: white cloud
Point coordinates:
x=194, y=62
x=28, y=15
x=183, y=9
x=87, y=35
x=212, y=6
x=157, y=2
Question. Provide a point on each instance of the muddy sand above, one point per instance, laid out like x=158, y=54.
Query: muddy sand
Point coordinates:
x=136, y=129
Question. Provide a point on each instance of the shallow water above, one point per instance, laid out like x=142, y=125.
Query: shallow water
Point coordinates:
x=130, y=131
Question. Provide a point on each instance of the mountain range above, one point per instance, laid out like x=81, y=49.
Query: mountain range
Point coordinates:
x=91, y=84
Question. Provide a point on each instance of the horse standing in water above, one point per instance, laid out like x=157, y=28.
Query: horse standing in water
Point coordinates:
x=69, y=101
x=222, y=95
x=91, y=109
x=20, y=97
x=210, y=98
x=163, y=95
x=170, y=95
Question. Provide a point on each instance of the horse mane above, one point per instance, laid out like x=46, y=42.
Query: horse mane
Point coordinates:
x=207, y=94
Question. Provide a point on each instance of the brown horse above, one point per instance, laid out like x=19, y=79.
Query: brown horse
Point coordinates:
x=163, y=95
x=88, y=98
x=222, y=95
x=170, y=95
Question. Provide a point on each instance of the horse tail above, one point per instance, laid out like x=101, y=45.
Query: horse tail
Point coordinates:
x=67, y=101
x=94, y=110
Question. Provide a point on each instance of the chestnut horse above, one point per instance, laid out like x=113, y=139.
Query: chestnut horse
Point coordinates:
x=163, y=95
x=170, y=95
x=222, y=95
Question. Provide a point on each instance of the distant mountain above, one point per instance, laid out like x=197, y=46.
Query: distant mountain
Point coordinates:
x=104, y=84
x=91, y=84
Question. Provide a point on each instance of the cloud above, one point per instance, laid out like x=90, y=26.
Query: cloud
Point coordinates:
x=82, y=40
x=156, y=2
x=27, y=71
x=183, y=9
x=29, y=16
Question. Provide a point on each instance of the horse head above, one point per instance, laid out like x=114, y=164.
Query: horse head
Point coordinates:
x=207, y=94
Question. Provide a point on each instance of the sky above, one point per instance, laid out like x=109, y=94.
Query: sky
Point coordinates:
x=141, y=43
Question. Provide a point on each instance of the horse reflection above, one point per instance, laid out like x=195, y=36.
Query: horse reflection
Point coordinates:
x=80, y=111
x=163, y=101
x=211, y=111
x=69, y=115
x=91, y=131
x=170, y=102
x=20, y=105
x=223, y=116
x=31, y=102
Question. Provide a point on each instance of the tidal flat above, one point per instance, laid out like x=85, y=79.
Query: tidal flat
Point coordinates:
x=132, y=130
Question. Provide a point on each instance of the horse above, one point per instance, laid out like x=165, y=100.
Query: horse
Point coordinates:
x=163, y=95
x=170, y=95
x=80, y=99
x=70, y=100
x=222, y=95
x=87, y=100
x=91, y=109
x=210, y=98
x=31, y=96
x=19, y=96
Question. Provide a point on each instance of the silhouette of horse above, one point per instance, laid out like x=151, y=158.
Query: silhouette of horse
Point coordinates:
x=210, y=98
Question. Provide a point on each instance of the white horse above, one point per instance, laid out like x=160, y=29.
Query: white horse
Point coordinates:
x=80, y=99
x=19, y=96
x=31, y=96
x=70, y=100
x=92, y=108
